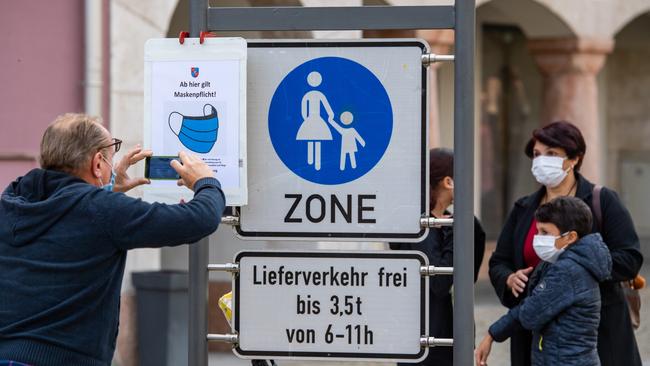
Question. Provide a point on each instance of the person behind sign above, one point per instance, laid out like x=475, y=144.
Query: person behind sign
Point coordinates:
x=558, y=150
x=64, y=233
x=563, y=304
x=438, y=247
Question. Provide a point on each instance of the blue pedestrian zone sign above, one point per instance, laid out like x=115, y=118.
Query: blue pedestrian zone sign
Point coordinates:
x=330, y=120
x=337, y=141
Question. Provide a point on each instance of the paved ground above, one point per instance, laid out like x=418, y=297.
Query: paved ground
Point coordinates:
x=487, y=309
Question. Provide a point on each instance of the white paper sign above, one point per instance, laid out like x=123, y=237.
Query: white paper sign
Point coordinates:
x=334, y=305
x=195, y=101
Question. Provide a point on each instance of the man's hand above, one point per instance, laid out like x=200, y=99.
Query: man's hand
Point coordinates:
x=483, y=350
x=123, y=182
x=192, y=169
x=517, y=281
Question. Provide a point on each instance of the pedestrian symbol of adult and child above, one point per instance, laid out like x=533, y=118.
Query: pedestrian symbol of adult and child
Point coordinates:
x=314, y=129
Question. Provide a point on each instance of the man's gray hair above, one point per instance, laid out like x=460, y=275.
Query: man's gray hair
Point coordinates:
x=70, y=142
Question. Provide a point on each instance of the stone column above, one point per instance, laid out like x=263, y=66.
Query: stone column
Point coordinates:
x=569, y=67
x=440, y=42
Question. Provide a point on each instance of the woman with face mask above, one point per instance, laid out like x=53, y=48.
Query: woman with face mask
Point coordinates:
x=557, y=151
x=438, y=246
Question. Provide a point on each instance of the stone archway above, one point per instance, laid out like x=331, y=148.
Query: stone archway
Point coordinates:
x=627, y=75
x=535, y=18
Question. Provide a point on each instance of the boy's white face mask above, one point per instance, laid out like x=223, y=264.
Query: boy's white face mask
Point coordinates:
x=545, y=249
x=548, y=170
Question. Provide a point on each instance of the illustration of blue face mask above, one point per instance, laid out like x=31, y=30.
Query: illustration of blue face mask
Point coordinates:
x=198, y=133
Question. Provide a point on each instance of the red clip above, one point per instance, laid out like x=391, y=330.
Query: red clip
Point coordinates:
x=182, y=35
x=203, y=35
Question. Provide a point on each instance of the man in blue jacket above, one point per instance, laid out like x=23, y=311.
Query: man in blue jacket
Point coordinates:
x=563, y=308
x=64, y=233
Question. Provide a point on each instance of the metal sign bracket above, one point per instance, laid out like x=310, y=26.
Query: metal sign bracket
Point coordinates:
x=227, y=267
x=227, y=338
x=436, y=342
x=429, y=221
x=433, y=271
x=429, y=58
x=230, y=220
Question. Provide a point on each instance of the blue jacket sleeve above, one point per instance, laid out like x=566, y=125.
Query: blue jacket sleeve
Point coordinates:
x=550, y=297
x=553, y=294
x=506, y=326
x=132, y=223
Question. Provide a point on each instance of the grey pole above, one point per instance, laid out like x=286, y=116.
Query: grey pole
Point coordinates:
x=198, y=304
x=198, y=16
x=200, y=251
x=464, y=183
x=330, y=18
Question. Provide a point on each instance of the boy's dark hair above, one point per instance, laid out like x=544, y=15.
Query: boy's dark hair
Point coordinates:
x=567, y=213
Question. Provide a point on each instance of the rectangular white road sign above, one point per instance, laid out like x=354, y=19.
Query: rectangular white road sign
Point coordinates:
x=337, y=140
x=336, y=305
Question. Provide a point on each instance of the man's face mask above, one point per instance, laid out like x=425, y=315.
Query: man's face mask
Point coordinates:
x=198, y=133
x=111, y=182
x=548, y=170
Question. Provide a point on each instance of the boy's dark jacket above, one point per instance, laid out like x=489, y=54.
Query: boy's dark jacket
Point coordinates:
x=63, y=246
x=563, y=308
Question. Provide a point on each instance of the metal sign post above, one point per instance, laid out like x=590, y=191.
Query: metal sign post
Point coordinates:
x=461, y=18
x=199, y=252
x=464, y=180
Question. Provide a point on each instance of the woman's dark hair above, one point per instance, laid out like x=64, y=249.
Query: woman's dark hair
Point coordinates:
x=563, y=135
x=567, y=213
x=441, y=165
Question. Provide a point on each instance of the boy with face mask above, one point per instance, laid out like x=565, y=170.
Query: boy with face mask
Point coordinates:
x=563, y=306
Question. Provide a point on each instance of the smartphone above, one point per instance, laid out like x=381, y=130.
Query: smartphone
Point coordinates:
x=157, y=167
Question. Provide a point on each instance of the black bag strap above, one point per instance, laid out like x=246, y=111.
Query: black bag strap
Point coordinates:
x=595, y=206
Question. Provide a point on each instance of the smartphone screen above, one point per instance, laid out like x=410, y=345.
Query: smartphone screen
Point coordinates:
x=157, y=167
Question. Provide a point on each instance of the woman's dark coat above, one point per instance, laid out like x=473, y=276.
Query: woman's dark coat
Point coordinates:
x=616, y=341
x=438, y=246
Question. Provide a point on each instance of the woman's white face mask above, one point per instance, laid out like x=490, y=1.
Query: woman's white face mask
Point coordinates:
x=548, y=170
x=545, y=249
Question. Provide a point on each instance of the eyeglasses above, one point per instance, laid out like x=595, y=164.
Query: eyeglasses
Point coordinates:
x=116, y=142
